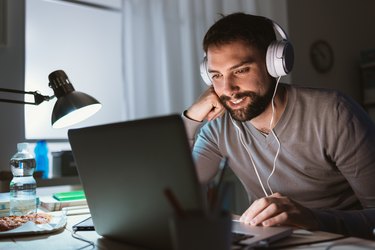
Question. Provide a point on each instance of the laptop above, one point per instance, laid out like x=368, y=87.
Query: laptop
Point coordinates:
x=126, y=167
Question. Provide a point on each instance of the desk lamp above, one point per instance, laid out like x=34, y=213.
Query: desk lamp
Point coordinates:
x=71, y=106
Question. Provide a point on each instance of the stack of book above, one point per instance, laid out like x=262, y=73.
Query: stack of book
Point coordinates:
x=50, y=203
x=65, y=199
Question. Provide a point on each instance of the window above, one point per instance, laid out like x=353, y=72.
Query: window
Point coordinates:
x=83, y=38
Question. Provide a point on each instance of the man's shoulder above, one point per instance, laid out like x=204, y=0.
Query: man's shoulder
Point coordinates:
x=312, y=89
x=316, y=93
x=319, y=99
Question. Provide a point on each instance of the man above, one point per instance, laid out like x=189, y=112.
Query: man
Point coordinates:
x=305, y=156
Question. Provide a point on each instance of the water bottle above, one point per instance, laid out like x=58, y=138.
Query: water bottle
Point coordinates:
x=41, y=158
x=23, y=186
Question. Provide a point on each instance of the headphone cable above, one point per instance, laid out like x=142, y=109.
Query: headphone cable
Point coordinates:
x=277, y=140
x=274, y=134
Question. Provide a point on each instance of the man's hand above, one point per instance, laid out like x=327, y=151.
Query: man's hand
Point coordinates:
x=279, y=210
x=208, y=106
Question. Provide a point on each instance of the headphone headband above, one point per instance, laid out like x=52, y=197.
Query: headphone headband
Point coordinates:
x=280, y=30
x=279, y=57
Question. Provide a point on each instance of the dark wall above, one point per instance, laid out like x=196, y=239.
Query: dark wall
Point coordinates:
x=348, y=26
x=12, y=65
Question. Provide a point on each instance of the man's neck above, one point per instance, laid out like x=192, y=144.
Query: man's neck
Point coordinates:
x=262, y=122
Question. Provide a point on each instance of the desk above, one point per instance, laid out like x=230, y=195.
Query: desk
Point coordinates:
x=64, y=241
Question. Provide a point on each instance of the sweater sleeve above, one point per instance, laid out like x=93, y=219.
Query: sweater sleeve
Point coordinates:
x=205, y=154
x=353, y=151
x=191, y=128
x=357, y=223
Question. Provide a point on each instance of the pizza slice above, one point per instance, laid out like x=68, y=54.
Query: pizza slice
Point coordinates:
x=13, y=221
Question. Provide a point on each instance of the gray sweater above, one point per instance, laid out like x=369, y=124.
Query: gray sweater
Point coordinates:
x=326, y=160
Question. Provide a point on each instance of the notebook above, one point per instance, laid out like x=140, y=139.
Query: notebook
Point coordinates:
x=124, y=169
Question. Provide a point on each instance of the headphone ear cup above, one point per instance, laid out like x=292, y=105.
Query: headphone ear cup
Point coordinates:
x=279, y=58
x=204, y=73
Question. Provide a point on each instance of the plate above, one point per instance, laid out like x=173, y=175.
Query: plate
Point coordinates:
x=58, y=222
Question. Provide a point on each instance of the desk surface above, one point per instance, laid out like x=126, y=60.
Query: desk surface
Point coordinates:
x=64, y=240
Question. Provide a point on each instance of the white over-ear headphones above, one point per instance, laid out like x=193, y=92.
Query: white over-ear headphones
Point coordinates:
x=279, y=57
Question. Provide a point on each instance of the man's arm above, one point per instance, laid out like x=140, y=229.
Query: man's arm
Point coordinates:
x=280, y=210
x=207, y=107
x=359, y=223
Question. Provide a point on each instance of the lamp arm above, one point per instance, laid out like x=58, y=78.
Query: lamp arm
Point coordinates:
x=38, y=98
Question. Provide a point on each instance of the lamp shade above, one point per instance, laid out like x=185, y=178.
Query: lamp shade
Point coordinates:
x=71, y=106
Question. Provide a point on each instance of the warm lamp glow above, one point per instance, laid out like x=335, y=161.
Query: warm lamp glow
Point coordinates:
x=77, y=116
x=71, y=106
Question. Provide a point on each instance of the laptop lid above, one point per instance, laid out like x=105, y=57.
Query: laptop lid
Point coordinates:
x=124, y=169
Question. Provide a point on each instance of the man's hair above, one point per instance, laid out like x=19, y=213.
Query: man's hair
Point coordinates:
x=257, y=31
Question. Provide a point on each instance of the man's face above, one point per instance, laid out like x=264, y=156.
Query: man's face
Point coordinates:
x=239, y=76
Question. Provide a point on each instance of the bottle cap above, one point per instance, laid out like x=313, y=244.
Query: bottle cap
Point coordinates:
x=22, y=146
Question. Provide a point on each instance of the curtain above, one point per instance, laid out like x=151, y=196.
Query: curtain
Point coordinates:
x=162, y=51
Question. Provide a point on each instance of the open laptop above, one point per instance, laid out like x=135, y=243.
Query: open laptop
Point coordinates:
x=124, y=169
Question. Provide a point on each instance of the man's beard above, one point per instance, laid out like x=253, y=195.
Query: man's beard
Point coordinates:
x=256, y=106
